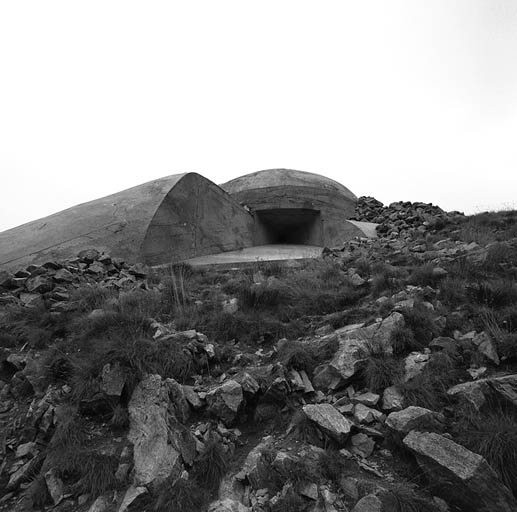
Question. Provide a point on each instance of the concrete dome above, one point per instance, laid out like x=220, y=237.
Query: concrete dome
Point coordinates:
x=295, y=207
x=285, y=178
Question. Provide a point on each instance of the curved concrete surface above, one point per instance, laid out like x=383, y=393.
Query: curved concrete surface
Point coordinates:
x=369, y=229
x=284, y=177
x=164, y=220
x=277, y=196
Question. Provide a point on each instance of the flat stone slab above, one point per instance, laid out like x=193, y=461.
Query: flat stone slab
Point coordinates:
x=272, y=252
x=460, y=476
x=330, y=420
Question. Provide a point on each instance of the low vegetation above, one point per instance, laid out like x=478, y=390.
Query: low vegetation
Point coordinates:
x=493, y=434
x=258, y=327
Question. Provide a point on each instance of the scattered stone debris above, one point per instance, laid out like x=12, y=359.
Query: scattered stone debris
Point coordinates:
x=171, y=410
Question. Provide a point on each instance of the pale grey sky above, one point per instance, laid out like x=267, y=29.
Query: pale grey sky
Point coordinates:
x=403, y=100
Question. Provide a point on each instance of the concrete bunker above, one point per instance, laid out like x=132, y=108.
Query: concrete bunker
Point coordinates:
x=185, y=216
x=295, y=207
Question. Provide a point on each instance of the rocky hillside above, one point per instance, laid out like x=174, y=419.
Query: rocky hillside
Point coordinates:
x=380, y=378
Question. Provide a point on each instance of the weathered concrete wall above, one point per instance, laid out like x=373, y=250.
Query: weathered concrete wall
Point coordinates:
x=196, y=218
x=338, y=230
x=134, y=225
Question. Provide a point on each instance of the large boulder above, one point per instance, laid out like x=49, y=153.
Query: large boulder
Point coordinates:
x=460, y=476
x=477, y=393
x=151, y=418
x=356, y=343
x=329, y=420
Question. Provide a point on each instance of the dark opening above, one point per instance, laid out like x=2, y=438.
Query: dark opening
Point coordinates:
x=289, y=226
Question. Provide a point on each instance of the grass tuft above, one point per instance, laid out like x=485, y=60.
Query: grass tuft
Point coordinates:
x=38, y=494
x=429, y=388
x=179, y=495
x=493, y=434
x=381, y=371
x=211, y=466
x=404, y=498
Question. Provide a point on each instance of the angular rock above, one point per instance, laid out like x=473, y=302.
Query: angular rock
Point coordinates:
x=356, y=342
x=362, y=445
x=232, y=485
x=477, y=373
x=31, y=300
x=248, y=383
x=445, y=344
x=192, y=397
x=96, y=268
x=369, y=399
x=470, y=392
x=414, y=364
x=459, y=476
x=356, y=280
x=326, y=377
x=39, y=284
x=178, y=399
x=309, y=490
x=501, y=389
x=55, y=486
x=505, y=388
x=225, y=401
x=88, y=255
x=22, y=473
x=5, y=279
x=365, y=414
x=230, y=306
x=113, y=379
x=392, y=399
x=329, y=420
x=25, y=449
x=63, y=276
x=150, y=411
x=131, y=495
x=415, y=418
x=486, y=347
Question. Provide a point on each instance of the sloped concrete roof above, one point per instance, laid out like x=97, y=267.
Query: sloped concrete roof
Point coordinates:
x=116, y=223
x=178, y=216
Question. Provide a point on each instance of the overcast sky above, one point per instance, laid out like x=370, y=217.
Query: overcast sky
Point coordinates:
x=402, y=100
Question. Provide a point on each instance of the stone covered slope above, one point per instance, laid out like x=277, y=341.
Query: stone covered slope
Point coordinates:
x=358, y=402
x=403, y=217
